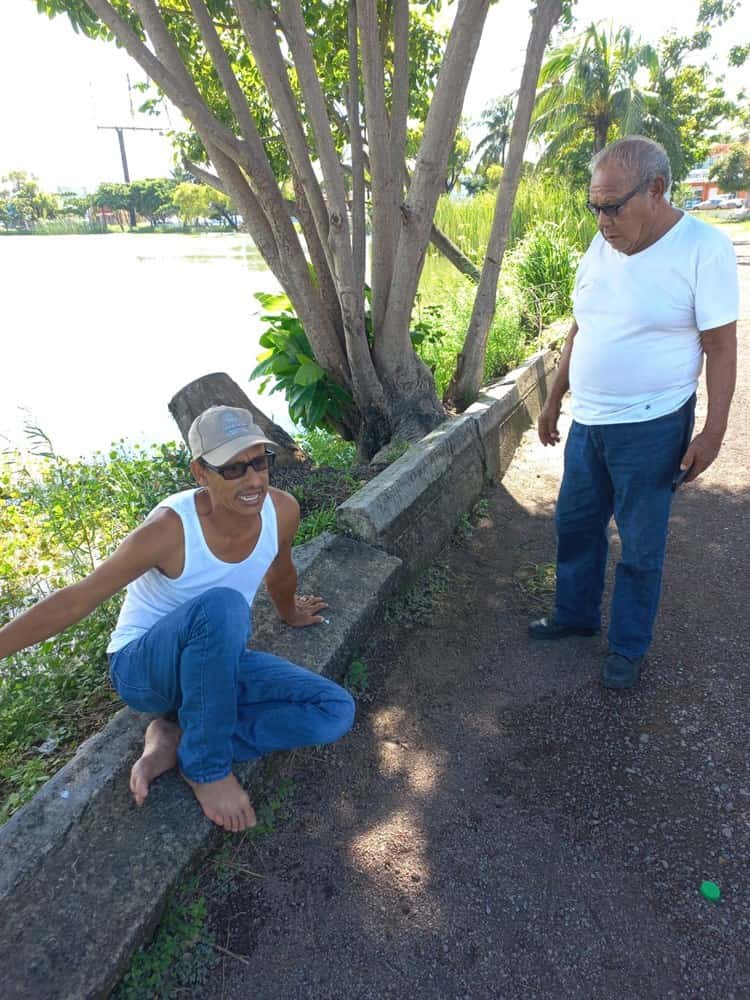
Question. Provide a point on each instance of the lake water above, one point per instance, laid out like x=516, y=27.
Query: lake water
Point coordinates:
x=99, y=332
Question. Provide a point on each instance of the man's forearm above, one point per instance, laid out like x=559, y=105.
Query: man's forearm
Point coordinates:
x=282, y=589
x=721, y=375
x=561, y=382
x=50, y=616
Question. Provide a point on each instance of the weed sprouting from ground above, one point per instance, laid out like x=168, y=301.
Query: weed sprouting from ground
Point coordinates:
x=419, y=603
x=470, y=521
x=357, y=679
x=537, y=581
x=179, y=955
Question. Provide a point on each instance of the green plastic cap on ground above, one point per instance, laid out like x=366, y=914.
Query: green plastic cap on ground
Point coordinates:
x=710, y=890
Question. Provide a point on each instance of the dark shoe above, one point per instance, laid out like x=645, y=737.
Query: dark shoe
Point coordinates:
x=547, y=628
x=620, y=672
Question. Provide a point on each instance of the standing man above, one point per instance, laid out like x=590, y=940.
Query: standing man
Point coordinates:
x=180, y=646
x=655, y=292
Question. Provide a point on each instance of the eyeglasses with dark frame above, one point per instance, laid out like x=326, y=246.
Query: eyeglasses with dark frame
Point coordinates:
x=613, y=208
x=236, y=470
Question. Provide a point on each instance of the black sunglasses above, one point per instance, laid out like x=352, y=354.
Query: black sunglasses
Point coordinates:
x=236, y=470
x=612, y=209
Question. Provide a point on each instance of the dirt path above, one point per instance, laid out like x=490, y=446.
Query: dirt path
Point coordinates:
x=500, y=826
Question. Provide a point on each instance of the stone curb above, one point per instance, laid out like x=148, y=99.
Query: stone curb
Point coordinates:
x=84, y=873
x=412, y=508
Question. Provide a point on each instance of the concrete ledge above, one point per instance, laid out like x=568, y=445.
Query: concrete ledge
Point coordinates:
x=412, y=508
x=84, y=873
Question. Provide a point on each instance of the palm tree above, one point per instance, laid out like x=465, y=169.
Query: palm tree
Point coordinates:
x=590, y=90
x=497, y=119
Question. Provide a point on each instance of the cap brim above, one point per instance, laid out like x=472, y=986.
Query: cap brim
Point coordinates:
x=226, y=452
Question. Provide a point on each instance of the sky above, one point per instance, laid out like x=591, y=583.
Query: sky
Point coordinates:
x=58, y=87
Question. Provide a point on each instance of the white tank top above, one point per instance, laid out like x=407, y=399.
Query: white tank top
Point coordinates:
x=151, y=596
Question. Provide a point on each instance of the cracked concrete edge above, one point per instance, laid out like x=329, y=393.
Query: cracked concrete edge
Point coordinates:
x=84, y=873
x=407, y=489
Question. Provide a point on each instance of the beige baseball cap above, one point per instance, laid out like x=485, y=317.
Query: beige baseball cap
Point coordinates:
x=221, y=432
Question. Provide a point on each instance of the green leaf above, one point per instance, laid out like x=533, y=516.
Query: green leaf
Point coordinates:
x=274, y=303
x=309, y=372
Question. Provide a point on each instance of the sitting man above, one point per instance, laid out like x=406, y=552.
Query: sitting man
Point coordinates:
x=180, y=646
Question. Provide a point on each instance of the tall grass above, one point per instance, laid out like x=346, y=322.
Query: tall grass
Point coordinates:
x=467, y=222
x=448, y=314
x=550, y=229
x=67, y=227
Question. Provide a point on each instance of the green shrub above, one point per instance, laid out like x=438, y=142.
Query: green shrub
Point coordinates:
x=506, y=343
x=288, y=365
x=544, y=266
x=467, y=221
x=327, y=449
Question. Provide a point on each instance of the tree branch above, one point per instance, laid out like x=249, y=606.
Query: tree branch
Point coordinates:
x=428, y=179
x=257, y=24
x=400, y=103
x=470, y=365
x=359, y=236
x=378, y=143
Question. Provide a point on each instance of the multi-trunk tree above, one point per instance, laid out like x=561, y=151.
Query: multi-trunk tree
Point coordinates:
x=322, y=92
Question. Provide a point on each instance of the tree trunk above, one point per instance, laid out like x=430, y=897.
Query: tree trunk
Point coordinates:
x=469, y=372
x=219, y=389
x=392, y=344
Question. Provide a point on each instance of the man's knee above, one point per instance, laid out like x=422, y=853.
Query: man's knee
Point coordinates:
x=223, y=605
x=340, y=711
x=221, y=617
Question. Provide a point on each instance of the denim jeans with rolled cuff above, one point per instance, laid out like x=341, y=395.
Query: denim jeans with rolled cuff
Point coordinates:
x=231, y=703
x=626, y=470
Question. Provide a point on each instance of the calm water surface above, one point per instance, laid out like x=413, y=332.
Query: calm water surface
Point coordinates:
x=99, y=332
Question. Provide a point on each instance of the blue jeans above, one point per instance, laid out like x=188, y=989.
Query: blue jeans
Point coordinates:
x=625, y=470
x=231, y=703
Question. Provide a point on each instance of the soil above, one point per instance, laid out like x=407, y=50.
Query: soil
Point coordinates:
x=497, y=824
x=317, y=487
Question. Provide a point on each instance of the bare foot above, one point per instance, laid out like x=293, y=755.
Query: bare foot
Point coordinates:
x=159, y=755
x=225, y=802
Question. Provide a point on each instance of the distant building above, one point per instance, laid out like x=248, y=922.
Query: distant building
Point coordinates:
x=698, y=179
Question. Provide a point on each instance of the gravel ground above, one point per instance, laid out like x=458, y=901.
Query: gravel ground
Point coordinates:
x=498, y=825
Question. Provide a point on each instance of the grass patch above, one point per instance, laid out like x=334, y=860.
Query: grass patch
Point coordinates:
x=315, y=524
x=357, y=679
x=419, y=604
x=537, y=581
x=328, y=449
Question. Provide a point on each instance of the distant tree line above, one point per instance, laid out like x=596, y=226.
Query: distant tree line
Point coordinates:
x=24, y=205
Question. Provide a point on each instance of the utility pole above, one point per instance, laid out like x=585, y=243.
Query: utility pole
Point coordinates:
x=121, y=129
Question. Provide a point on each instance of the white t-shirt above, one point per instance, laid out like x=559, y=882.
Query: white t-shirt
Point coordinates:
x=637, y=354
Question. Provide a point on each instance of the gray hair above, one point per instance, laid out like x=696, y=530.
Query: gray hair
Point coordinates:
x=642, y=157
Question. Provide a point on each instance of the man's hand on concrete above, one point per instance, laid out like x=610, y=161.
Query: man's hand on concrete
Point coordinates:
x=701, y=453
x=547, y=422
x=306, y=608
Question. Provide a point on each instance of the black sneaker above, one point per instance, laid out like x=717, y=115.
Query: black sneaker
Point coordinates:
x=619, y=672
x=548, y=628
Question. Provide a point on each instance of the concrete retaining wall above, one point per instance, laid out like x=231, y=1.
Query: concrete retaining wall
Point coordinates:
x=412, y=508
x=84, y=873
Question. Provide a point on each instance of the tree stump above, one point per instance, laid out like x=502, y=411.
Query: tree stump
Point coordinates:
x=218, y=389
